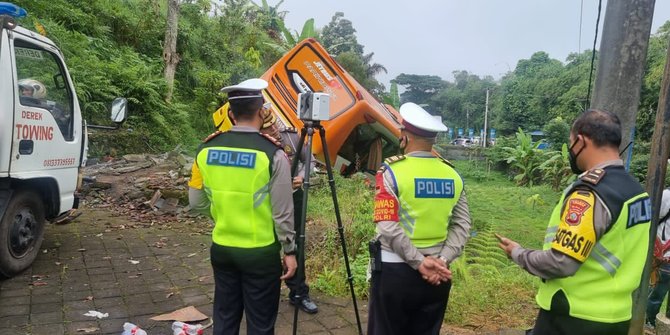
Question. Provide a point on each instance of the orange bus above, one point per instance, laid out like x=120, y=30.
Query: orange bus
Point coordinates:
x=361, y=130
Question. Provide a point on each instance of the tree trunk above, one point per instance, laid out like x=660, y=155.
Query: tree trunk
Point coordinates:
x=170, y=48
x=621, y=62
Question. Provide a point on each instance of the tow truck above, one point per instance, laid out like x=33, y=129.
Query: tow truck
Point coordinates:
x=43, y=140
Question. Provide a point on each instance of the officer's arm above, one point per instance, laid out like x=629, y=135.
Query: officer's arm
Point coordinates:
x=584, y=219
x=197, y=197
x=459, y=230
x=388, y=227
x=281, y=198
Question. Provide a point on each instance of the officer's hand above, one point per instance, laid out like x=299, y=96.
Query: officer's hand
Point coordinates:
x=434, y=271
x=297, y=182
x=507, y=245
x=290, y=264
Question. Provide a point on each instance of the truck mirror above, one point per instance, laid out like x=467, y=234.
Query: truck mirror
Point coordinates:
x=119, y=108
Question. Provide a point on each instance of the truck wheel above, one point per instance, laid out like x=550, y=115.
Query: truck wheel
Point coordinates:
x=21, y=232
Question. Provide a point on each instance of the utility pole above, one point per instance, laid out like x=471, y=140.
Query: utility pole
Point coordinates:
x=486, y=117
x=621, y=63
x=658, y=163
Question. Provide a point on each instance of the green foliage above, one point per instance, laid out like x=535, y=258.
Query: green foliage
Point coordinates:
x=484, y=280
x=651, y=84
x=557, y=132
x=556, y=168
x=111, y=50
x=525, y=159
x=361, y=70
x=291, y=39
x=419, y=88
x=339, y=36
x=462, y=103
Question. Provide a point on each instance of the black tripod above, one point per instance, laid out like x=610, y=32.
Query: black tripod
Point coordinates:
x=308, y=130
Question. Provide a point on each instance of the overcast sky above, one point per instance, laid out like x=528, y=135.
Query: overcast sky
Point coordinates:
x=485, y=37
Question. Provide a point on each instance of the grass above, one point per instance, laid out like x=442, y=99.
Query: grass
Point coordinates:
x=488, y=290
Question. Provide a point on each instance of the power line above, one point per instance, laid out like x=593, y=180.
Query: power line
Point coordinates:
x=593, y=54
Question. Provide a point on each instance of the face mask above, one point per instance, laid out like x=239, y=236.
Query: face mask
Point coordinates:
x=573, y=158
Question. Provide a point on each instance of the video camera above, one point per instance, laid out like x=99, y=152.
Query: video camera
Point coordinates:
x=314, y=106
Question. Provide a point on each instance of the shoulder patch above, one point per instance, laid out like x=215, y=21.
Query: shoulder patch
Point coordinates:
x=445, y=161
x=290, y=130
x=593, y=176
x=576, y=236
x=212, y=135
x=272, y=139
x=393, y=159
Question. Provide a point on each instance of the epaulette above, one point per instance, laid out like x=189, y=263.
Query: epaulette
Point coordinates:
x=211, y=136
x=290, y=130
x=445, y=161
x=272, y=139
x=393, y=159
x=593, y=176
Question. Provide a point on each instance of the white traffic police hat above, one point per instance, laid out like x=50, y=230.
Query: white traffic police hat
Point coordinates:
x=250, y=88
x=417, y=121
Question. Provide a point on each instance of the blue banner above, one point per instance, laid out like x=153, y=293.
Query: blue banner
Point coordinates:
x=493, y=133
x=460, y=132
x=451, y=133
x=471, y=133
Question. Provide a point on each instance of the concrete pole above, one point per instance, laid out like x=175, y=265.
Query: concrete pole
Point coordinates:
x=621, y=63
x=486, y=117
x=658, y=162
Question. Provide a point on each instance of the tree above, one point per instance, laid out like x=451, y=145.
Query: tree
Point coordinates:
x=272, y=19
x=292, y=39
x=557, y=132
x=170, y=55
x=392, y=98
x=651, y=85
x=339, y=36
x=419, y=88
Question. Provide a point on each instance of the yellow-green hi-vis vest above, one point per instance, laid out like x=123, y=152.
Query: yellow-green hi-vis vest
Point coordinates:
x=236, y=168
x=428, y=190
x=601, y=290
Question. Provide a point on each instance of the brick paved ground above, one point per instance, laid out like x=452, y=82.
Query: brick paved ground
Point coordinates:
x=86, y=266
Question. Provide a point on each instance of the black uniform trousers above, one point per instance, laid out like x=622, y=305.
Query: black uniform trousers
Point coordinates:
x=401, y=302
x=297, y=285
x=559, y=322
x=246, y=280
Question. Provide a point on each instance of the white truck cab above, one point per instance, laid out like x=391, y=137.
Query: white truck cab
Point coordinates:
x=43, y=141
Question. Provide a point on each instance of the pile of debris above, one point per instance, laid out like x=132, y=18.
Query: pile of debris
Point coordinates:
x=148, y=188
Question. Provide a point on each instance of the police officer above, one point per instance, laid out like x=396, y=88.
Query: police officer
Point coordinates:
x=596, y=244
x=423, y=223
x=246, y=187
x=289, y=139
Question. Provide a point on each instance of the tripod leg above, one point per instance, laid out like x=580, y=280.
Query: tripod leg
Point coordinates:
x=340, y=227
x=296, y=157
x=309, y=131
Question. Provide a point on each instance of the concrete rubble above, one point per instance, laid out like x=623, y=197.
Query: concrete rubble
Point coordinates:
x=149, y=188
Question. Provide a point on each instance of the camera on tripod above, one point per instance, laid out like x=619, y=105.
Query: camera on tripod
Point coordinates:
x=314, y=106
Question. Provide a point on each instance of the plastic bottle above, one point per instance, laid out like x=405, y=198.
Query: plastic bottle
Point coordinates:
x=180, y=328
x=131, y=329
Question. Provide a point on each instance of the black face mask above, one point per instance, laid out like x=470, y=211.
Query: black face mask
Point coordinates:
x=573, y=158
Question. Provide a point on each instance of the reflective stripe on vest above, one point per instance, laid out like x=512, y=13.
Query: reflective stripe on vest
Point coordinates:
x=601, y=290
x=428, y=190
x=237, y=183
